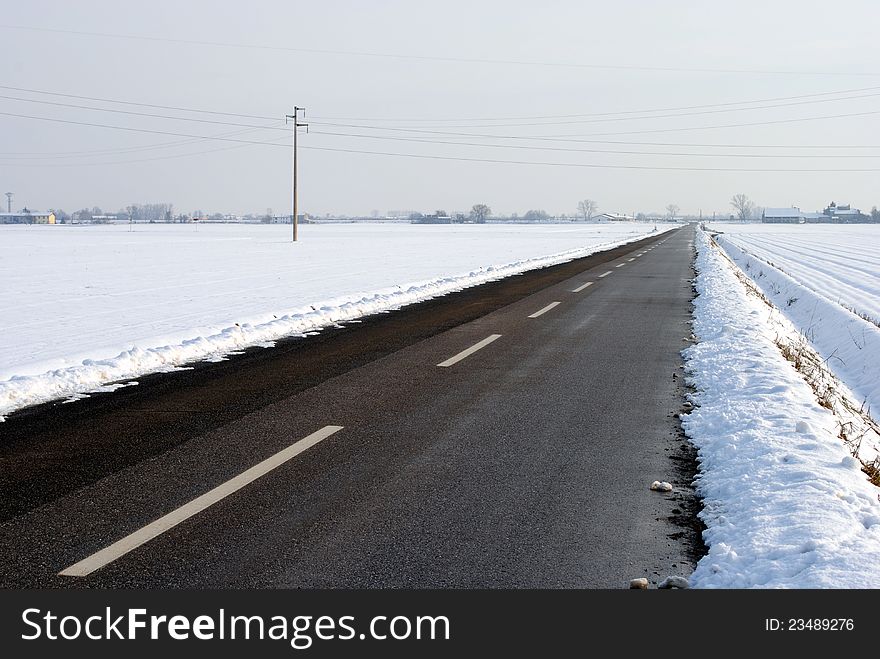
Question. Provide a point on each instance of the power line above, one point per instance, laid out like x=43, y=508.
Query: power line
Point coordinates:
x=662, y=116
x=227, y=123
x=137, y=114
x=442, y=120
x=436, y=58
x=590, y=166
x=135, y=130
x=438, y=157
x=428, y=141
x=33, y=155
x=608, y=151
x=610, y=114
x=415, y=130
x=742, y=125
x=147, y=105
x=480, y=160
x=637, y=132
x=138, y=160
x=239, y=141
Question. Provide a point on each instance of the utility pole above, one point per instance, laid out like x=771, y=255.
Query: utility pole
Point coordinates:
x=8, y=202
x=296, y=125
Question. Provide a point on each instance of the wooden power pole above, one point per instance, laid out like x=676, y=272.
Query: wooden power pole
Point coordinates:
x=296, y=125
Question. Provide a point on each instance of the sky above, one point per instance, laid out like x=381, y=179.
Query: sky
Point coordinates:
x=512, y=104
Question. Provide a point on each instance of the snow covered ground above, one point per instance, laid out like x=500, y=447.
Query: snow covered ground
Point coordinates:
x=826, y=280
x=840, y=263
x=785, y=503
x=83, y=306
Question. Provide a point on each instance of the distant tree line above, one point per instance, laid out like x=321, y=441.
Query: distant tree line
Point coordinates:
x=134, y=212
x=743, y=207
x=148, y=213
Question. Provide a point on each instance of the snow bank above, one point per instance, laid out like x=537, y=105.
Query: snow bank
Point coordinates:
x=785, y=504
x=185, y=285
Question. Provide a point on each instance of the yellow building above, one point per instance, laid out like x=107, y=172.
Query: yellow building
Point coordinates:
x=28, y=217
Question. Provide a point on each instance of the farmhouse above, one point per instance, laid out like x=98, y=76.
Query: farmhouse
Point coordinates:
x=26, y=216
x=613, y=217
x=783, y=216
x=844, y=213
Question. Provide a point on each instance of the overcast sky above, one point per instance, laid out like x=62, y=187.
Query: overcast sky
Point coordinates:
x=448, y=69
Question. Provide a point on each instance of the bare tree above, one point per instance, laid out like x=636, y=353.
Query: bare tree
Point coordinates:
x=744, y=207
x=672, y=209
x=587, y=208
x=480, y=212
x=149, y=212
x=536, y=216
x=83, y=215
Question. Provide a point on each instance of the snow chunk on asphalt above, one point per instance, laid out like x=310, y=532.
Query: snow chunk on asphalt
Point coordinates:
x=661, y=486
x=674, y=582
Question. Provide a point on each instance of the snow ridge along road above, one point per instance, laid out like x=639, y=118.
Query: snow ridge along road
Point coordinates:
x=785, y=504
x=526, y=464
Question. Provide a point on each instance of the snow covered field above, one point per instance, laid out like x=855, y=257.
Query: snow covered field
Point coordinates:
x=826, y=280
x=785, y=503
x=841, y=263
x=86, y=305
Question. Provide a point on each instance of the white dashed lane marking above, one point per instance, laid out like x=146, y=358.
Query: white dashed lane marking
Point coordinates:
x=134, y=540
x=541, y=312
x=470, y=351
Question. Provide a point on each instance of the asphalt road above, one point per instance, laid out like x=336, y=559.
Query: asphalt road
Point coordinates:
x=525, y=463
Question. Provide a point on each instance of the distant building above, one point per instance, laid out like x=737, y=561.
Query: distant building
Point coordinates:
x=26, y=216
x=783, y=216
x=613, y=217
x=439, y=217
x=844, y=214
